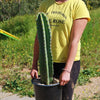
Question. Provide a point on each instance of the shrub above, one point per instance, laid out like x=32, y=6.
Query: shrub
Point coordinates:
x=18, y=25
x=95, y=3
x=11, y=8
x=92, y=4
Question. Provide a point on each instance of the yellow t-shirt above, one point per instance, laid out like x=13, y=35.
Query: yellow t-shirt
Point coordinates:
x=61, y=18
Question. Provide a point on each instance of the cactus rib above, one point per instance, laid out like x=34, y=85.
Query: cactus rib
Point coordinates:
x=45, y=57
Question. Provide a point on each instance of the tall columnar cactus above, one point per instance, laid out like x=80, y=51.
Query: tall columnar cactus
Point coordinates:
x=45, y=56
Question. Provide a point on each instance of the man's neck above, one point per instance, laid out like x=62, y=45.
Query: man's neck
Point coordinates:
x=61, y=1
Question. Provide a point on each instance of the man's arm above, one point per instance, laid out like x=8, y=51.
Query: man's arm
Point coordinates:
x=34, y=71
x=76, y=33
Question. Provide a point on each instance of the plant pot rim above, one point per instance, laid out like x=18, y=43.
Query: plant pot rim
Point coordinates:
x=37, y=82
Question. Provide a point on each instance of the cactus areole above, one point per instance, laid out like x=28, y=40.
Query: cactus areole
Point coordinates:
x=45, y=55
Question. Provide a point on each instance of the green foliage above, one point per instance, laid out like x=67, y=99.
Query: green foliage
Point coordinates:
x=11, y=8
x=87, y=73
x=18, y=52
x=92, y=4
x=95, y=3
x=96, y=97
x=45, y=57
x=18, y=84
x=19, y=25
x=90, y=50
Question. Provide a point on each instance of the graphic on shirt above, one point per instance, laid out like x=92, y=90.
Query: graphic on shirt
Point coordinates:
x=59, y=18
x=58, y=12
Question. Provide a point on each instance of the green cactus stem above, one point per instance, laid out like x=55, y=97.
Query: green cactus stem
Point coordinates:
x=45, y=55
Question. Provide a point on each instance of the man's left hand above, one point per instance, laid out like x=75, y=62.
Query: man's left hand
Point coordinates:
x=64, y=78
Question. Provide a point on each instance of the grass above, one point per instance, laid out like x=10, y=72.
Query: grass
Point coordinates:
x=87, y=73
x=16, y=82
x=15, y=56
x=18, y=53
x=90, y=51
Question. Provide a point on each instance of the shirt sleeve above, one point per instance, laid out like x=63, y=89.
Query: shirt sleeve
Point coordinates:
x=80, y=10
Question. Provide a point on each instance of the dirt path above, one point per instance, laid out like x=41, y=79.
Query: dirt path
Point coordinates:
x=88, y=90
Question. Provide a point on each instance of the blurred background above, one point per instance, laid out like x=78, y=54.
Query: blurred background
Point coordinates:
x=18, y=18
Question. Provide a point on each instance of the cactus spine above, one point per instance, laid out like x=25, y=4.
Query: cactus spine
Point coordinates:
x=45, y=56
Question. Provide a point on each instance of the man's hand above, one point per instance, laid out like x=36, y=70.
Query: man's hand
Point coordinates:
x=34, y=73
x=64, y=78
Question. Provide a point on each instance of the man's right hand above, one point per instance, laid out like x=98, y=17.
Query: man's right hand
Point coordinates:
x=34, y=73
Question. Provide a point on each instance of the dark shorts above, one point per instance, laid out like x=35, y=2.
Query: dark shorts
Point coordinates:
x=68, y=89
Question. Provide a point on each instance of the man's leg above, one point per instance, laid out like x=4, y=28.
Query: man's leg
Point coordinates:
x=68, y=89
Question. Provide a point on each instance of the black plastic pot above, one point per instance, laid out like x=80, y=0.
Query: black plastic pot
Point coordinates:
x=47, y=92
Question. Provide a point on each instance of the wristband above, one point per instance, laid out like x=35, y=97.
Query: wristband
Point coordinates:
x=65, y=70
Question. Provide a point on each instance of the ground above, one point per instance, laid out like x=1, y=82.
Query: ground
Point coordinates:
x=90, y=91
